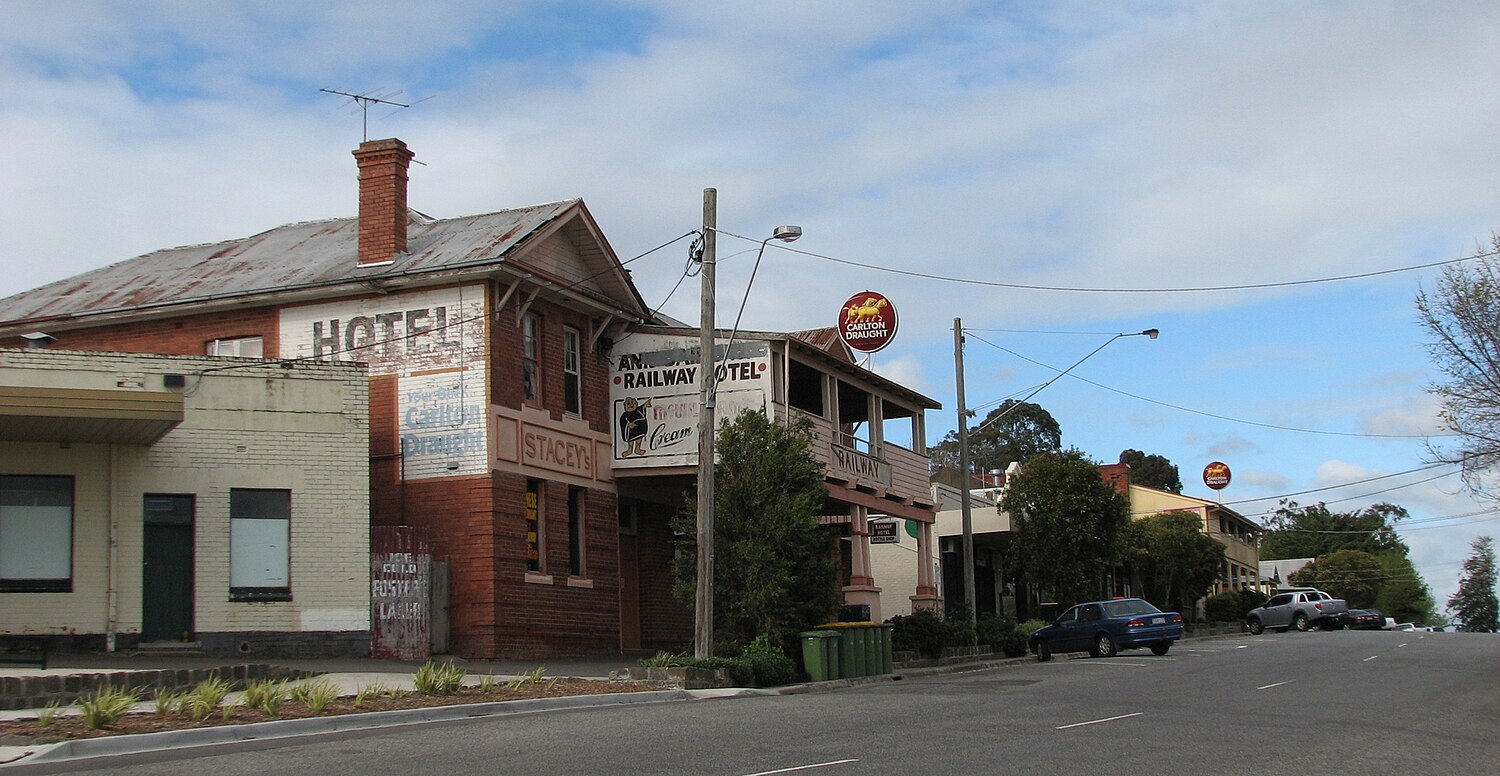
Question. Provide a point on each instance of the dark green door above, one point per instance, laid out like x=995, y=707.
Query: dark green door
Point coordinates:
x=167, y=592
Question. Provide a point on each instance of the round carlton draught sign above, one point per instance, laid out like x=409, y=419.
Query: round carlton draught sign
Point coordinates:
x=1216, y=475
x=867, y=322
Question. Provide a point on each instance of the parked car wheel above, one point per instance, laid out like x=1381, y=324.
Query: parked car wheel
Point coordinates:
x=1043, y=652
x=1256, y=628
x=1161, y=647
x=1104, y=646
x=1300, y=622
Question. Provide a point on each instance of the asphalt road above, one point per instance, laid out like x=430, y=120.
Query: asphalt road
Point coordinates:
x=1294, y=703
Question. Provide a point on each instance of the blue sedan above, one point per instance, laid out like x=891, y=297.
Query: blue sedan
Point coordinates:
x=1102, y=628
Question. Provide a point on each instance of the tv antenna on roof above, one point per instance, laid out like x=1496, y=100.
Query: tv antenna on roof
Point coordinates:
x=366, y=100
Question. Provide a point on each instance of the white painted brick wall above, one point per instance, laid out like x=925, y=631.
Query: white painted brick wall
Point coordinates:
x=303, y=427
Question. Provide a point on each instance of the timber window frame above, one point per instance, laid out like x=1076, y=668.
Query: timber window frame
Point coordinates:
x=240, y=347
x=535, y=525
x=572, y=371
x=260, y=544
x=576, y=520
x=36, y=533
x=531, y=373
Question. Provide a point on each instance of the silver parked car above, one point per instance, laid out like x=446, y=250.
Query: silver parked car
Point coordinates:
x=1300, y=609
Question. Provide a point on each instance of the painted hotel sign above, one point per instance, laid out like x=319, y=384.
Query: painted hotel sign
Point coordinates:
x=655, y=397
x=867, y=321
x=432, y=342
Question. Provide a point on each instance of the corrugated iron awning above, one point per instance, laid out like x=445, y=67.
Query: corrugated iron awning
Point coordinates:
x=39, y=414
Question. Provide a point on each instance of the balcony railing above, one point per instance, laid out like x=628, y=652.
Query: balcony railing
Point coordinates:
x=885, y=469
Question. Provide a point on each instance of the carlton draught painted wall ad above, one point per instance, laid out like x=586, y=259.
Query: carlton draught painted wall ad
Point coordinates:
x=654, y=392
x=433, y=342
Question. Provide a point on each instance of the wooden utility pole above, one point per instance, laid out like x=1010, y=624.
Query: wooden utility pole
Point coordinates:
x=703, y=622
x=963, y=472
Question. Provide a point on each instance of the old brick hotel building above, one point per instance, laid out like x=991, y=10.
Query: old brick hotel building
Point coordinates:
x=489, y=400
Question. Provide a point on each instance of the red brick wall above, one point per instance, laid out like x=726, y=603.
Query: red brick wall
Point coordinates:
x=458, y=515
x=665, y=622
x=186, y=336
x=505, y=366
x=385, y=448
x=555, y=618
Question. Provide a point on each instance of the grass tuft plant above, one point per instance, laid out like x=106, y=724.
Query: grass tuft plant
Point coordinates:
x=376, y=690
x=106, y=706
x=168, y=702
x=205, y=697
x=662, y=659
x=487, y=683
x=49, y=715
x=534, y=677
x=317, y=695
x=438, y=679
x=266, y=695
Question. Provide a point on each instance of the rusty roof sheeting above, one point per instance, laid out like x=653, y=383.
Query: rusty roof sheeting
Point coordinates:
x=300, y=255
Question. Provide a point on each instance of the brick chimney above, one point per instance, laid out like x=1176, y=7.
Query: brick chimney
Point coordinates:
x=382, y=200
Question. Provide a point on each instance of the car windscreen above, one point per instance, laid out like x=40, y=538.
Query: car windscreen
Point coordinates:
x=1129, y=608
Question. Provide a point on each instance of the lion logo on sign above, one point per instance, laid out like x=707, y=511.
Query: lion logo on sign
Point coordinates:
x=867, y=310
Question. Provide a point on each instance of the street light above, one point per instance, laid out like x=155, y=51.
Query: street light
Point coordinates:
x=1152, y=333
x=963, y=444
x=703, y=616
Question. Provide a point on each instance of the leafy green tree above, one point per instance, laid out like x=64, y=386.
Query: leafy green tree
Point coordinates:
x=1152, y=471
x=1308, y=532
x=1352, y=575
x=1317, y=532
x=1065, y=523
x=1462, y=318
x=1402, y=594
x=1175, y=562
x=1013, y=431
x=775, y=567
x=1474, y=604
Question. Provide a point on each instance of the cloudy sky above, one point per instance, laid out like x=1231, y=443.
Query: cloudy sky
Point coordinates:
x=960, y=157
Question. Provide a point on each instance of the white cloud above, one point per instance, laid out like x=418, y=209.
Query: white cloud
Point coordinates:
x=1126, y=146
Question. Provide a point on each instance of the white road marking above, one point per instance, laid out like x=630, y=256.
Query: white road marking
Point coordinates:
x=1097, y=721
x=1402, y=644
x=1242, y=646
x=804, y=767
x=1368, y=659
x=1269, y=686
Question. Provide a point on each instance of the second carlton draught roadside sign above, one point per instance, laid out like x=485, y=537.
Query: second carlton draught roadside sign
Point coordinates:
x=1216, y=475
x=867, y=321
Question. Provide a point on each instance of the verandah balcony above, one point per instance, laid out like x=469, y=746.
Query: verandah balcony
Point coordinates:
x=883, y=469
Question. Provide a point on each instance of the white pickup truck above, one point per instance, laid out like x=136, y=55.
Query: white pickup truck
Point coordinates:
x=1300, y=609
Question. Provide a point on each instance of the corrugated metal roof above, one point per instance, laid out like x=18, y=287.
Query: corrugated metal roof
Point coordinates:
x=300, y=255
x=826, y=339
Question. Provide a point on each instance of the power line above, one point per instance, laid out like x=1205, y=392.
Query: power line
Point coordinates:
x=1079, y=289
x=1201, y=412
x=1428, y=467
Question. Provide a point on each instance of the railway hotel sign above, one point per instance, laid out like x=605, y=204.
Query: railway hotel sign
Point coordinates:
x=867, y=322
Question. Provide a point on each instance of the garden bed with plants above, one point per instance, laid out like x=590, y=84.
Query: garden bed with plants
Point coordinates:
x=111, y=711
